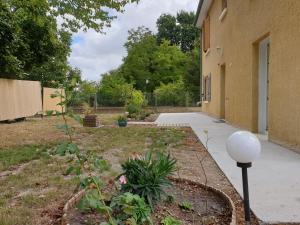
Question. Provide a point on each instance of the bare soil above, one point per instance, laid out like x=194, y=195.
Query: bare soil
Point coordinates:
x=207, y=208
x=189, y=156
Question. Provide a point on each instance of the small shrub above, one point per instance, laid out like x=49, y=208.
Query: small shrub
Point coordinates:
x=133, y=110
x=122, y=119
x=172, y=94
x=135, y=102
x=169, y=220
x=186, y=206
x=147, y=176
x=132, y=209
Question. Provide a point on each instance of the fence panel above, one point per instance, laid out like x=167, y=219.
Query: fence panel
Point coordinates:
x=49, y=103
x=19, y=98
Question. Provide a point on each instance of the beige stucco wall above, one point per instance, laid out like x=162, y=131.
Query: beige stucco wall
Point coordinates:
x=49, y=103
x=237, y=36
x=19, y=98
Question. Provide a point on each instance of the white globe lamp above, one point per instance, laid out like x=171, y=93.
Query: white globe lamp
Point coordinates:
x=244, y=147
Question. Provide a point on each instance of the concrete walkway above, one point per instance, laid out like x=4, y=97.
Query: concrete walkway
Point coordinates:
x=274, y=178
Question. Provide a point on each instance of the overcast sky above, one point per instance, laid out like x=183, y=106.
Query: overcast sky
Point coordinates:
x=96, y=53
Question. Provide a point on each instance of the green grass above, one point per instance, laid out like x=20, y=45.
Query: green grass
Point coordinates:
x=41, y=186
x=21, y=154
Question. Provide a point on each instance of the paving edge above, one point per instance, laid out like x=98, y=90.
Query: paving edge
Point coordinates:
x=76, y=197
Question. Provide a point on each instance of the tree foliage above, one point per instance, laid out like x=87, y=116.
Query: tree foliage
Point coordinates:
x=167, y=62
x=179, y=30
x=114, y=90
x=137, y=35
x=192, y=78
x=35, y=35
x=171, y=94
x=138, y=65
x=79, y=14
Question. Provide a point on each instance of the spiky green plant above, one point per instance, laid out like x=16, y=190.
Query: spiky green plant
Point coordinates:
x=148, y=176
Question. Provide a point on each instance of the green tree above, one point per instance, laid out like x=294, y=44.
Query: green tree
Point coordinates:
x=168, y=29
x=32, y=46
x=113, y=90
x=189, y=34
x=138, y=65
x=179, y=30
x=31, y=37
x=192, y=76
x=137, y=35
x=79, y=14
x=169, y=64
x=9, y=63
x=172, y=94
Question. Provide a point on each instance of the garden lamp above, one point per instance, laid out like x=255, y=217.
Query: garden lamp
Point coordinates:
x=244, y=147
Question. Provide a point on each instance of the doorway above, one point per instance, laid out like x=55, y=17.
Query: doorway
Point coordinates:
x=222, y=92
x=263, y=86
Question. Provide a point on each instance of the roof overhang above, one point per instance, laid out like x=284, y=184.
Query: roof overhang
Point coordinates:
x=202, y=11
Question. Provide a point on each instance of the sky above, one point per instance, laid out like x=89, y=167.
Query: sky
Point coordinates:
x=95, y=54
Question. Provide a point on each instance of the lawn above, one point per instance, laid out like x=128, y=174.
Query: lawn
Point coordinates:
x=34, y=189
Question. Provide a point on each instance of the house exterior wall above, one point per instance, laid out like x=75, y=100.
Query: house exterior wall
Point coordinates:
x=234, y=43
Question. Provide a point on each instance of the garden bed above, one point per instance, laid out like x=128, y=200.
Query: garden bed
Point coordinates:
x=189, y=202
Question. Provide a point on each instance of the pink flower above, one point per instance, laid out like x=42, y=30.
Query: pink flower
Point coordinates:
x=123, y=179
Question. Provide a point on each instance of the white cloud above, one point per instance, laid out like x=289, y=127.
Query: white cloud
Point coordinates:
x=96, y=53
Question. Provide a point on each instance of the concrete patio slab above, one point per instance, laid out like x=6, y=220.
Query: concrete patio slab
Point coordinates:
x=274, y=179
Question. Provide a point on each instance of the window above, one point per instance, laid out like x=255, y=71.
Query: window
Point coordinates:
x=224, y=5
x=207, y=88
x=206, y=34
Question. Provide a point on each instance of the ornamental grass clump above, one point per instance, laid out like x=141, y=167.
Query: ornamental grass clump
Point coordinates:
x=148, y=176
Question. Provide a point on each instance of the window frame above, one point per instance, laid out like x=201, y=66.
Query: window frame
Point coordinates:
x=224, y=7
x=206, y=34
x=207, y=88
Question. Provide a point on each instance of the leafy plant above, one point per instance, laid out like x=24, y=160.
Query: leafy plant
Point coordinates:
x=135, y=102
x=133, y=208
x=148, y=176
x=86, y=166
x=122, y=119
x=169, y=220
x=186, y=205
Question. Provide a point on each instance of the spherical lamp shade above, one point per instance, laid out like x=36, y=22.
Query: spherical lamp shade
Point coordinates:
x=243, y=147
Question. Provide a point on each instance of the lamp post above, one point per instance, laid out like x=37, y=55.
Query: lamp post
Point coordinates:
x=244, y=147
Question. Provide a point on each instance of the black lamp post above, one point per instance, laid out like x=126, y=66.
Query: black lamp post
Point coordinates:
x=244, y=147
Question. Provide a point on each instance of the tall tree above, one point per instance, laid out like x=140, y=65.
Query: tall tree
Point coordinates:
x=137, y=35
x=189, y=34
x=179, y=30
x=138, y=64
x=32, y=46
x=169, y=64
x=81, y=14
x=168, y=29
x=192, y=76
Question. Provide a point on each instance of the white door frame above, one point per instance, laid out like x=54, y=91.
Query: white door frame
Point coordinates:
x=263, y=83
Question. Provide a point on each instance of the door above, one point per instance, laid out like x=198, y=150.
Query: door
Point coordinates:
x=222, y=92
x=263, y=86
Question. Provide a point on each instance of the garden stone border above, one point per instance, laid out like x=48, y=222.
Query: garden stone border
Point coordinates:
x=216, y=191
x=76, y=198
x=70, y=205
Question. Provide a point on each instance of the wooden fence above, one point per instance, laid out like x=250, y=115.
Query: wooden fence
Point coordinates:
x=49, y=103
x=21, y=98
